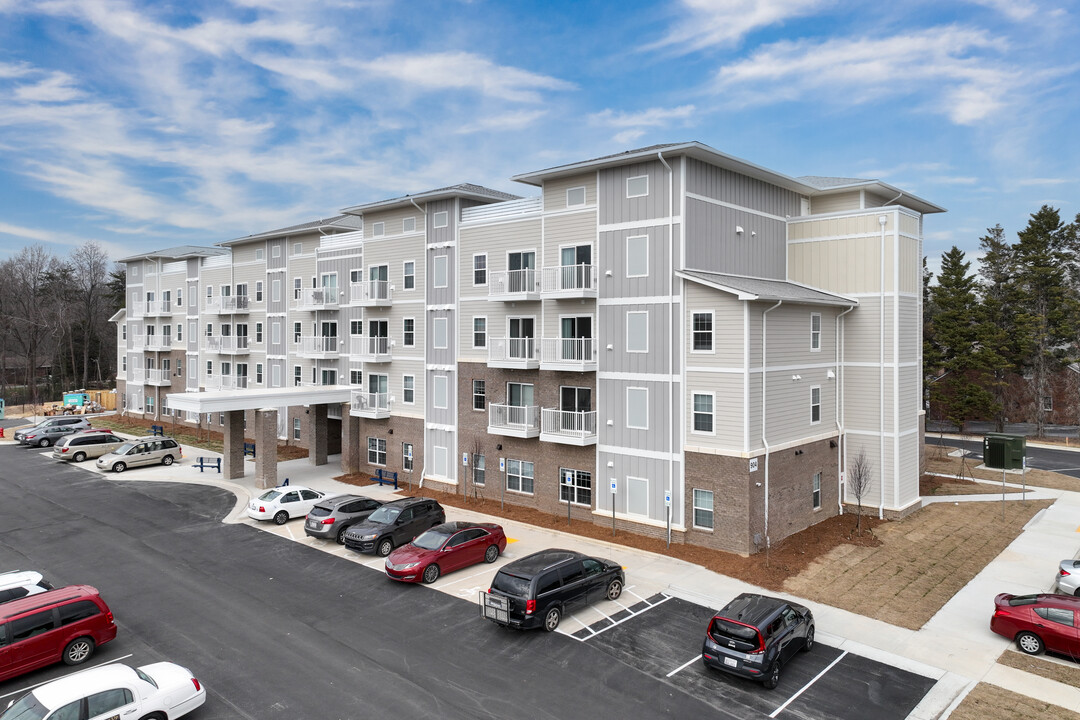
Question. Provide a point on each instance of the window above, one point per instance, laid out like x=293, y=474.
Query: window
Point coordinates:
x=123, y=363
x=479, y=272
x=179, y=332
x=28, y=627
x=438, y=269
x=258, y=332
x=637, y=408
x=297, y=288
x=410, y=275
x=179, y=297
x=440, y=391
x=519, y=476
x=123, y=332
x=259, y=291
x=815, y=332
x=378, y=229
x=479, y=332
x=275, y=375
x=209, y=292
x=440, y=219
x=179, y=367
x=479, y=395
x=275, y=333
x=817, y=491
x=297, y=373
x=275, y=291
x=260, y=253
x=376, y=451
x=101, y=703
x=297, y=331
x=637, y=332
x=407, y=457
x=1048, y=403
x=258, y=373
x=209, y=368
x=149, y=403
x=815, y=404
x=275, y=251
x=479, y=472
x=637, y=256
x=703, y=412
x=637, y=496
x=297, y=249
x=575, y=196
x=408, y=385
x=296, y=428
x=575, y=486
x=356, y=377
x=1062, y=616
x=703, y=336
x=637, y=186
x=408, y=225
x=703, y=509
x=356, y=327
x=439, y=333
x=193, y=370
x=408, y=330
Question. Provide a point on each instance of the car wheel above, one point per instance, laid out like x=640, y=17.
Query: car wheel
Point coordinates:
x=809, y=644
x=1029, y=643
x=614, y=589
x=78, y=651
x=341, y=535
x=153, y=716
x=491, y=554
x=431, y=573
x=79, y=456
x=43, y=442
x=167, y=460
x=281, y=518
x=119, y=467
x=1077, y=592
x=385, y=546
x=772, y=679
x=551, y=619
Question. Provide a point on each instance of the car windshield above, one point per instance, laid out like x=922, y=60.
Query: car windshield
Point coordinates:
x=431, y=540
x=25, y=708
x=124, y=449
x=384, y=515
x=270, y=495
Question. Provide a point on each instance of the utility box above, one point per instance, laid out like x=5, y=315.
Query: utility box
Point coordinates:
x=1, y=408
x=1004, y=452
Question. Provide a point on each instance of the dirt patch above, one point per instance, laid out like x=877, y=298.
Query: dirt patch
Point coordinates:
x=989, y=702
x=211, y=440
x=1067, y=674
x=930, y=485
x=921, y=562
x=938, y=461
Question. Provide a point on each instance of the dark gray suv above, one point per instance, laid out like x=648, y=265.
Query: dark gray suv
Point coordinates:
x=394, y=524
x=49, y=431
x=333, y=517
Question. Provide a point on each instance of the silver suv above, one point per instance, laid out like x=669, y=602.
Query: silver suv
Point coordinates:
x=49, y=431
x=83, y=445
x=149, y=450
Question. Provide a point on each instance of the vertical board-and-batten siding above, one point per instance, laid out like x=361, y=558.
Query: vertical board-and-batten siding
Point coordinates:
x=615, y=207
x=740, y=190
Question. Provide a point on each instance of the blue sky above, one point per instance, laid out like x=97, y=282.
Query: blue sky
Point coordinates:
x=144, y=125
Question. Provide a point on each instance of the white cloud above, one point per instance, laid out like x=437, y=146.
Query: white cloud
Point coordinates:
x=726, y=22
x=56, y=87
x=505, y=122
x=1026, y=182
x=628, y=136
x=1012, y=9
x=653, y=117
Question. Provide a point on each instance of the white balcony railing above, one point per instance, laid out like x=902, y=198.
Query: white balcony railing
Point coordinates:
x=576, y=354
x=519, y=353
x=514, y=420
x=568, y=427
x=228, y=304
x=318, y=345
x=317, y=299
x=137, y=376
x=369, y=404
x=227, y=344
x=371, y=349
x=372, y=293
x=570, y=281
x=158, y=376
x=158, y=307
x=157, y=342
x=514, y=285
x=230, y=382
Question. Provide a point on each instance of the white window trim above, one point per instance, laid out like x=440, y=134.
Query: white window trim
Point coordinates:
x=712, y=414
x=440, y=450
x=628, y=511
x=815, y=478
x=819, y=404
x=519, y=476
x=694, y=508
x=435, y=272
x=435, y=219
x=275, y=251
x=405, y=275
x=413, y=343
x=487, y=270
x=627, y=249
x=405, y=220
x=472, y=331
x=445, y=333
x=435, y=392
x=637, y=177
x=636, y=427
x=584, y=196
x=403, y=400
x=637, y=312
x=712, y=332
x=378, y=229
x=812, y=333
x=297, y=249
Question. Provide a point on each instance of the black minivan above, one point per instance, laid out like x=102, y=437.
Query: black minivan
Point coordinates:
x=537, y=590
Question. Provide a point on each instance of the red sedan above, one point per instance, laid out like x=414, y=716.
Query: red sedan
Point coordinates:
x=1039, y=622
x=445, y=548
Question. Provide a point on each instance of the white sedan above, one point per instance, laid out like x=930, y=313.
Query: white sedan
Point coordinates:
x=283, y=503
x=112, y=691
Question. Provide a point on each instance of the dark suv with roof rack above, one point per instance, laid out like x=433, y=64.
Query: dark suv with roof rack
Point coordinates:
x=754, y=635
x=394, y=524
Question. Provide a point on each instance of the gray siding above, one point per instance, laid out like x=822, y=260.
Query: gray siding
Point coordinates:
x=712, y=242
x=737, y=189
x=615, y=207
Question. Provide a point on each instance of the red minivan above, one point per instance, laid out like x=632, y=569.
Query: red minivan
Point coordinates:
x=65, y=624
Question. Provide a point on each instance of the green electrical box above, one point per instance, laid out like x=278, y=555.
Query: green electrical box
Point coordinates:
x=1, y=408
x=1004, y=452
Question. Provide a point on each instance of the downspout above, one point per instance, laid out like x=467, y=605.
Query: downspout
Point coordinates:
x=671, y=346
x=423, y=467
x=841, y=447
x=882, y=219
x=764, y=408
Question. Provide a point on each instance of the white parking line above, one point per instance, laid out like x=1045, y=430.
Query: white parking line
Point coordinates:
x=685, y=665
x=631, y=616
x=462, y=579
x=31, y=687
x=805, y=687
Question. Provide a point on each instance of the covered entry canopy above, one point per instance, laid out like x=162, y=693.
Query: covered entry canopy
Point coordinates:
x=211, y=401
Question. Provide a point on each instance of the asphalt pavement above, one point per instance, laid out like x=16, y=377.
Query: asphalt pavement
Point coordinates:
x=1063, y=460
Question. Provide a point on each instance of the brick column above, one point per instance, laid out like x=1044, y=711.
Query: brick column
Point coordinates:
x=317, y=434
x=266, y=448
x=350, y=441
x=234, y=445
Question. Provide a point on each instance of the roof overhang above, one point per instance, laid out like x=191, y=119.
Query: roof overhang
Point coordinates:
x=766, y=290
x=902, y=197
x=212, y=401
x=287, y=232
x=430, y=196
x=181, y=253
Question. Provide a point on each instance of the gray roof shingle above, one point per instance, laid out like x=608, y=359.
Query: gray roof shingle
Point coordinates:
x=751, y=288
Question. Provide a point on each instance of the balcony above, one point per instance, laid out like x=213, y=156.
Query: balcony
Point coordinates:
x=157, y=376
x=521, y=421
x=155, y=308
x=514, y=286
x=374, y=406
x=227, y=382
x=569, y=281
x=230, y=345
x=568, y=427
x=136, y=376
x=227, y=305
x=318, y=346
x=370, y=349
x=138, y=342
x=157, y=343
x=570, y=354
x=312, y=299
x=372, y=293
x=513, y=353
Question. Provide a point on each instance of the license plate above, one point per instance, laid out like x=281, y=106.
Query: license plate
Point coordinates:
x=731, y=662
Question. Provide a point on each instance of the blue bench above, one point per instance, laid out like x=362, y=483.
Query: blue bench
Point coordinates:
x=207, y=462
x=157, y=430
x=249, y=449
x=385, y=477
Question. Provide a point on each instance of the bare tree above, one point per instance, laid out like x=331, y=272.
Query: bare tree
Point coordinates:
x=90, y=276
x=859, y=477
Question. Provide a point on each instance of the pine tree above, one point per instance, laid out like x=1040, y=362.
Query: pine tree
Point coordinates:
x=998, y=294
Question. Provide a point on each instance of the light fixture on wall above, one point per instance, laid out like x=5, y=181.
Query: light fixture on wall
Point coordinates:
x=796, y=377
x=738, y=230
x=390, y=431
x=498, y=447
x=830, y=375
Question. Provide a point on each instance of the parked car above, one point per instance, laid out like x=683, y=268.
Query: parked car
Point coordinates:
x=149, y=450
x=394, y=524
x=330, y=518
x=445, y=548
x=66, y=624
x=1068, y=577
x=86, y=444
x=1038, y=622
x=115, y=690
x=754, y=636
x=284, y=502
x=19, y=583
x=49, y=431
x=537, y=590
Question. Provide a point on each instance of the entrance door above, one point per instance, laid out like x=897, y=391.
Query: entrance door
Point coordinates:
x=328, y=336
x=575, y=399
x=379, y=387
x=241, y=336
x=521, y=338
x=379, y=336
x=380, y=282
x=575, y=262
x=522, y=266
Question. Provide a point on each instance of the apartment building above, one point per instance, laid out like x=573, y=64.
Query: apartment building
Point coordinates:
x=670, y=339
